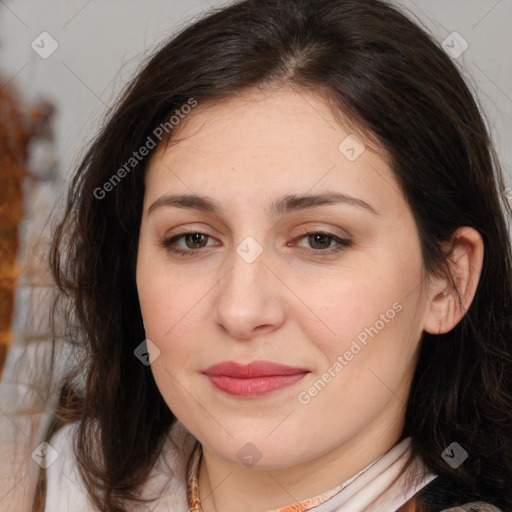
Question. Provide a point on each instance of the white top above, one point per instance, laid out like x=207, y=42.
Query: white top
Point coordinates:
x=367, y=491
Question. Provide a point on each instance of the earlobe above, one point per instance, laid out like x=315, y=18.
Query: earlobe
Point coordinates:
x=445, y=309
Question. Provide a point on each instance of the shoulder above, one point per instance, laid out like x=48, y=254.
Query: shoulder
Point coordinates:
x=445, y=494
x=476, y=506
x=166, y=484
x=65, y=489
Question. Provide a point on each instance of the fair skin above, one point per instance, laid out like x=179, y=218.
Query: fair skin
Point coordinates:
x=292, y=304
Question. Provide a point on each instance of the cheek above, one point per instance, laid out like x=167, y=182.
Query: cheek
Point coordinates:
x=344, y=308
x=367, y=331
x=172, y=308
x=169, y=309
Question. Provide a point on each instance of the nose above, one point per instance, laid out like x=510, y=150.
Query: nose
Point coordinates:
x=250, y=299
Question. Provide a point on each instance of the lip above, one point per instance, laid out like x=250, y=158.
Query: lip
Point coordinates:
x=258, y=378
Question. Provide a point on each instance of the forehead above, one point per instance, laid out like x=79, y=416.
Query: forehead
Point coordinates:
x=280, y=118
x=287, y=140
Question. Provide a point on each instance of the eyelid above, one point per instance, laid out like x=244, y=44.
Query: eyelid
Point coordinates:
x=315, y=228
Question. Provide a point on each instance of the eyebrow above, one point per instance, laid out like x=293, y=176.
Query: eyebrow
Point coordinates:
x=286, y=204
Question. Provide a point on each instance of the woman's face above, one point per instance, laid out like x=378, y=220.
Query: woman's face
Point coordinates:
x=301, y=251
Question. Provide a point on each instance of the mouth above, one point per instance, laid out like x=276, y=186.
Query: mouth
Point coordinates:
x=256, y=379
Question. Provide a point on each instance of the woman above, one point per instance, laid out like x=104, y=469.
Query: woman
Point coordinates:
x=290, y=277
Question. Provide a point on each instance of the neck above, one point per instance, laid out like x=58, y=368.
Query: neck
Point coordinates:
x=228, y=487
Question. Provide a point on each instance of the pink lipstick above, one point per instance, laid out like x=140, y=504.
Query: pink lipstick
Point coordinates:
x=255, y=379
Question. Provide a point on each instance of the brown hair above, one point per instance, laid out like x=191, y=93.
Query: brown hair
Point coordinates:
x=384, y=73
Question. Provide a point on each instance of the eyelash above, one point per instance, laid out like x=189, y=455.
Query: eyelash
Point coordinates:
x=342, y=243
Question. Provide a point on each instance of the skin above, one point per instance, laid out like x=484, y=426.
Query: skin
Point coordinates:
x=292, y=304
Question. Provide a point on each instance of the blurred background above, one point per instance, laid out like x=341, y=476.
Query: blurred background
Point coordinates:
x=62, y=64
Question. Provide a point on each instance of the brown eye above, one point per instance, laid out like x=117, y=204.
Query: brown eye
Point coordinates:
x=195, y=240
x=319, y=240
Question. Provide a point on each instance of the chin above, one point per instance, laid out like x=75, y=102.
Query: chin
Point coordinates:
x=258, y=451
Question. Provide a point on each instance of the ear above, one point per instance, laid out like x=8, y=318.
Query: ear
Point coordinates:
x=444, y=311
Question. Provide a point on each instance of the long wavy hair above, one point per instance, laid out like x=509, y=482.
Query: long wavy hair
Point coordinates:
x=388, y=77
